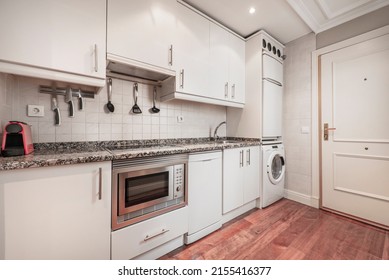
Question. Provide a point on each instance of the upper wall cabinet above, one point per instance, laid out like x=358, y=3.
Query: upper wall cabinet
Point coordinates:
x=192, y=52
x=53, y=39
x=227, y=65
x=142, y=31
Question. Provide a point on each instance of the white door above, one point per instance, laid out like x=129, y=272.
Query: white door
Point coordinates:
x=355, y=158
x=252, y=174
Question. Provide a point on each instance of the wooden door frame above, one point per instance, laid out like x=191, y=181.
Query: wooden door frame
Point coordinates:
x=316, y=196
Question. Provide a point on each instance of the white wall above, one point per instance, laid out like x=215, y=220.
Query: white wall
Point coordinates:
x=95, y=124
x=296, y=115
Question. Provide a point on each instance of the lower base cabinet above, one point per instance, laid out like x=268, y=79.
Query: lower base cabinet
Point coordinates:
x=241, y=177
x=59, y=212
x=137, y=239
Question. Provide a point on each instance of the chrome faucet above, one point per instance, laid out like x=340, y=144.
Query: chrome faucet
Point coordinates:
x=215, y=136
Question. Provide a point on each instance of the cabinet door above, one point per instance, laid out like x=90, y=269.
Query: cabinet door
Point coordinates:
x=233, y=179
x=191, y=52
x=56, y=213
x=237, y=69
x=142, y=30
x=252, y=174
x=68, y=36
x=219, y=62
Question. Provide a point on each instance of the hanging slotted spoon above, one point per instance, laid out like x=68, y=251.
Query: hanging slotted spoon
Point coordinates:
x=154, y=110
x=135, y=108
x=110, y=106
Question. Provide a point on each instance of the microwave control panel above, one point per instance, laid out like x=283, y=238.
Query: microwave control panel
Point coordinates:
x=179, y=180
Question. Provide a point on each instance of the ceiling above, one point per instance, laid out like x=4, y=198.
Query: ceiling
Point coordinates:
x=286, y=20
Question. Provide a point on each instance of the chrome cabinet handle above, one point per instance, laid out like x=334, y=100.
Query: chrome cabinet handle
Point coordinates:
x=148, y=237
x=226, y=90
x=248, y=161
x=241, y=159
x=100, y=183
x=233, y=91
x=96, y=59
x=171, y=55
x=182, y=74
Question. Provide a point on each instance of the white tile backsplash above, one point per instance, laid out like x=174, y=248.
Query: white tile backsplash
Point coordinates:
x=95, y=123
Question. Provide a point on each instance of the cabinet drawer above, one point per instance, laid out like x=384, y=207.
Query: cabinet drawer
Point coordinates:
x=137, y=239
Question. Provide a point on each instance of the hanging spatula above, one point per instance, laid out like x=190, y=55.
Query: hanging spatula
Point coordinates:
x=135, y=108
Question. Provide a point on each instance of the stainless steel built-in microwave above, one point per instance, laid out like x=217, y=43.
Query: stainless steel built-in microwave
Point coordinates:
x=143, y=188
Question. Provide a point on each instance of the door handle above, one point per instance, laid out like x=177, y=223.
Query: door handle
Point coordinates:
x=100, y=183
x=326, y=129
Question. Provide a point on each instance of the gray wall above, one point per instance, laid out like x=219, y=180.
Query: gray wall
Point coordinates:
x=352, y=28
x=297, y=115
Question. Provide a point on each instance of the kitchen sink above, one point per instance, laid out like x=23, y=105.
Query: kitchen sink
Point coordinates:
x=227, y=141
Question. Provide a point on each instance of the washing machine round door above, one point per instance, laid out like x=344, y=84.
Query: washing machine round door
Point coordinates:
x=276, y=168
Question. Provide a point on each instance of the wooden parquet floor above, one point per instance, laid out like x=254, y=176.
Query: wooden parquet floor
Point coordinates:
x=289, y=230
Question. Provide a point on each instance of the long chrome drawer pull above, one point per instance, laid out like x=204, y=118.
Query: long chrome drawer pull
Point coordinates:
x=148, y=237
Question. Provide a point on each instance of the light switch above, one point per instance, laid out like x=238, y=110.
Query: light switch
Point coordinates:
x=305, y=130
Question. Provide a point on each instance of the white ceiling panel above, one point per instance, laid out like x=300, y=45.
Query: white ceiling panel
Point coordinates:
x=286, y=20
x=274, y=16
x=321, y=15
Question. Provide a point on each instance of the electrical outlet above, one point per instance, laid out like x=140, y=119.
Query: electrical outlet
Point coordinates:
x=180, y=119
x=35, y=111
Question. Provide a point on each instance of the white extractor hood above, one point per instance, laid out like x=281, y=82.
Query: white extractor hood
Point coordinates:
x=121, y=67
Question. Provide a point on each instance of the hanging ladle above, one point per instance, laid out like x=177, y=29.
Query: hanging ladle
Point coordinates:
x=110, y=106
x=154, y=109
x=135, y=108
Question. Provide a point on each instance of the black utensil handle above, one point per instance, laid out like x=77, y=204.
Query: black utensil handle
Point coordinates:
x=81, y=103
x=71, y=108
x=57, y=116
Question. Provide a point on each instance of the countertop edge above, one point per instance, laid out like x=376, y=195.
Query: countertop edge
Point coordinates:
x=36, y=161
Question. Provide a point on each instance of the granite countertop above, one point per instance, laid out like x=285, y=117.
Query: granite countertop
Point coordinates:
x=56, y=154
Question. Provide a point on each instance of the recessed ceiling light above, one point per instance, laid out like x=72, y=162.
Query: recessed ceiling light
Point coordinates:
x=252, y=10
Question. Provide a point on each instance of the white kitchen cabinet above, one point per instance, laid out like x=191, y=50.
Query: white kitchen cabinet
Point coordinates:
x=204, y=194
x=53, y=39
x=191, y=52
x=227, y=65
x=142, y=31
x=241, y=177
x=56, y=212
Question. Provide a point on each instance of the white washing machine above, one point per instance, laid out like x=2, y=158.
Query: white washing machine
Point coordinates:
x=273, y=174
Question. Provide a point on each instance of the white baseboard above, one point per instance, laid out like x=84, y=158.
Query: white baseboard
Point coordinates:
x=302, y=198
